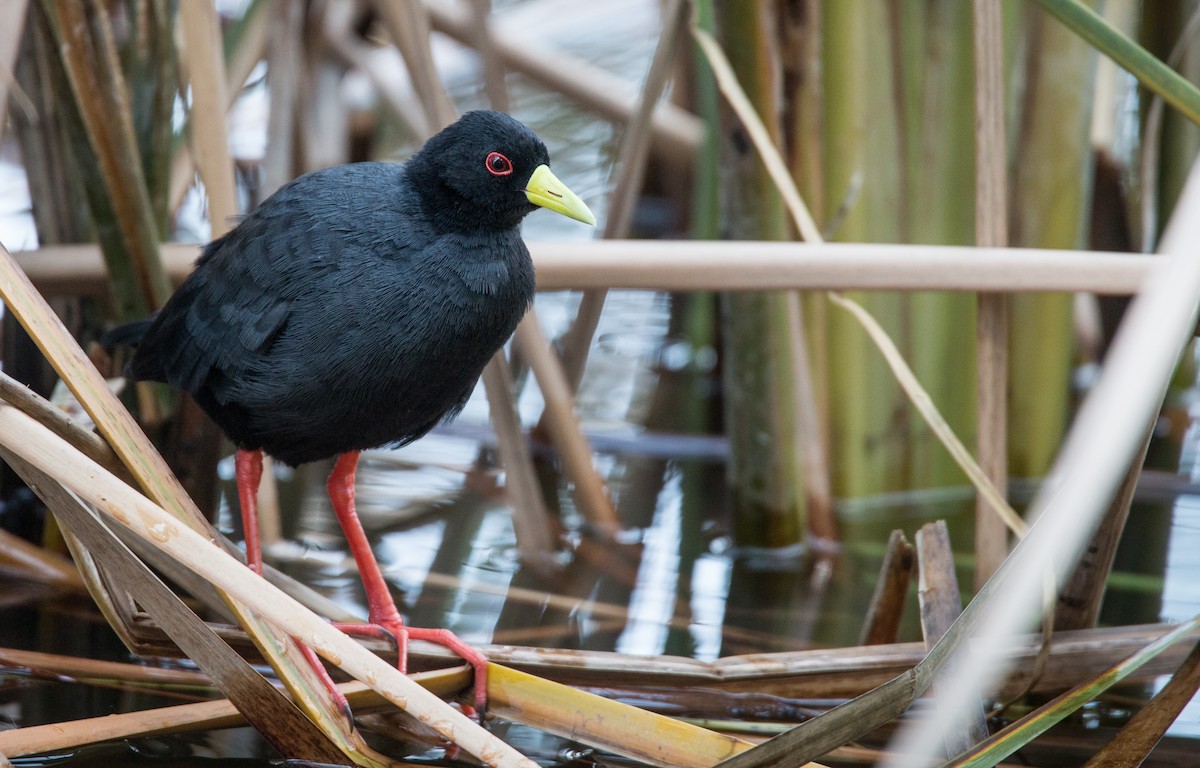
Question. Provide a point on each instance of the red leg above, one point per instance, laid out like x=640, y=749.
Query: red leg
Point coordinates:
x=249, y=474
x=249, y=468
x=381, y=609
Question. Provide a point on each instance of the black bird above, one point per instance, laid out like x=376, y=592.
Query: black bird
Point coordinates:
x=356, y=308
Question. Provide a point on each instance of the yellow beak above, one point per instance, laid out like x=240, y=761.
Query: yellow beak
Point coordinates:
x=546, y=190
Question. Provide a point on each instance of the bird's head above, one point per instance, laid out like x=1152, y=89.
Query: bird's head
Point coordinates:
x=489, y=171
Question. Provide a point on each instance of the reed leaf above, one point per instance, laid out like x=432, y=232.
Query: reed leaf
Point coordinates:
x=1147, y=68
x=89, y=57
x=1015, y=736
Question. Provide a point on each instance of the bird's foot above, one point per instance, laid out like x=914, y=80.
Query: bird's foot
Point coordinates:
x=395, y=630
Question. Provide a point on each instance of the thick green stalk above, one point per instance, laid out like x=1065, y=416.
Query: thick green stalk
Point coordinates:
x=861, y=173
x=895, y=127
x=1050, y=199
x=764, y=469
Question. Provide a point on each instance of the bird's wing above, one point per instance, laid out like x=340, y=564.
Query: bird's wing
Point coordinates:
x=221, y=324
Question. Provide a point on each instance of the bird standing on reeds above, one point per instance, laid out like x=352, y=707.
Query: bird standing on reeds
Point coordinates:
x=356, y=308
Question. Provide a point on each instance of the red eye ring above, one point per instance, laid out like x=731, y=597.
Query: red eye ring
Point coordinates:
x=497, y=164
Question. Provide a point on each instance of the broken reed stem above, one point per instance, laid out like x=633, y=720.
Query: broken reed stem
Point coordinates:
x=941, y=604
x=891, y=590
x=38, y=564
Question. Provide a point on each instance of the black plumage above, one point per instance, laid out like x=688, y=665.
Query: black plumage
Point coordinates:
x=357, y=306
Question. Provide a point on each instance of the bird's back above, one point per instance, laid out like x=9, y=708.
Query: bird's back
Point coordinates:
x=337, y=317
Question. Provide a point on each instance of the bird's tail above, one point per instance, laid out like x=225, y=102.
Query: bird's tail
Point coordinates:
x=127, y=335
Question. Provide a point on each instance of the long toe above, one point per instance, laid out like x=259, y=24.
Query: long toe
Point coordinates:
x=314, y=661
x=400, y=633
x=472, y=656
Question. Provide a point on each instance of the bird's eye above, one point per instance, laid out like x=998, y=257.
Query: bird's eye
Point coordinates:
x=497, y=164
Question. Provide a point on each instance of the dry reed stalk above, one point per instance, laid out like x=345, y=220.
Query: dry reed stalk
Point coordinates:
x=494, y=84
x=39, y=447
x=759, y=266
x=285, y=62
x=36, y=563
x=83, y=669
x=677, y=265
x=576, y=455
x=991, y=231
x=677, y=134
x=631, y=172
x=184, y=718
x=408, y=25
x=208, y=135
x=337, y=26
x=832, y=672
x=248, y=52
x=1101, y=444
x=12, y=24
x=533, y=524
